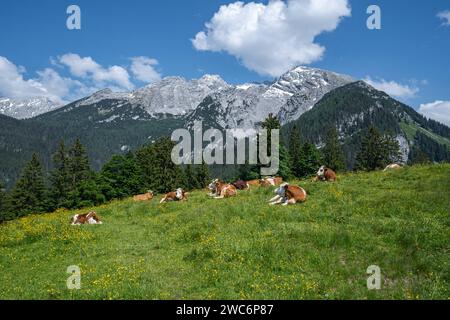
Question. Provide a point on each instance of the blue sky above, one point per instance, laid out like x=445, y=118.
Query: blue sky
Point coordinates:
x=409, y=55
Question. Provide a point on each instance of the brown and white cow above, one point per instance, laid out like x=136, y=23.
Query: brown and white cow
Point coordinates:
x=178, y=195
x=393, y=166
x=287, y=194
x=241, y=185
x=325, y=174
x=270, y=181
x=144, y=197
x=220, y=189
x=87, y=218
x=253, y=183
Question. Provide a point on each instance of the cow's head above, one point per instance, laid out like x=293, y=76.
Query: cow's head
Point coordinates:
x=74, y=219
x=321, y=171
x=179, y=193
x=281, y=190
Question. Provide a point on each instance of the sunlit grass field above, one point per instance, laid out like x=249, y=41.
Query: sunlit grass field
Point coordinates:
x=241, y=248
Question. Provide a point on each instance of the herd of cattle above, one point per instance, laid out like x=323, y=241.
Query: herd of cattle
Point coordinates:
x=286, y=194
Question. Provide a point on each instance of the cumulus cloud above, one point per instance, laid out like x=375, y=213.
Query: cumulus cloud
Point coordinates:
x=445, y=15
x=86, y=77
x=48, y=83
x=143, y=69
x=395, y=89
x=86, y=67
x=438, y=110
x=272, y=38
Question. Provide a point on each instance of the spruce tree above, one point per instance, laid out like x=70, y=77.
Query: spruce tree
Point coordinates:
x=4, y=215
x=372, y=154
x=60, y=177
x=333, y=154
x=272, y=123
x=310, y=160
x=190, y=179
x=79, y=164
x=159, y=173
x=295, y=152
x=284, y=170
x=391, y=149
x=123, y=176
x=202, y=175
x=28, y=195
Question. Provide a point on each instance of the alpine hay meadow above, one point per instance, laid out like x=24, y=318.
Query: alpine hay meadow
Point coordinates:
x=242, y=248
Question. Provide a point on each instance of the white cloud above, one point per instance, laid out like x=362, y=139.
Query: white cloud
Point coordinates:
x=395, y=89
x=445, y=15
x=87, y=68
x=143, y=69
x=87, y=76
x=438, y=110
x=272, y=38
x=48, y=83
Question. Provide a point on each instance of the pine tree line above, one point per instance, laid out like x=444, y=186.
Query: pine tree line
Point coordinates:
x=72, y=184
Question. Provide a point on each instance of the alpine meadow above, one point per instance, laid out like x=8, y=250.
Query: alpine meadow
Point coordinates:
x=240, y=248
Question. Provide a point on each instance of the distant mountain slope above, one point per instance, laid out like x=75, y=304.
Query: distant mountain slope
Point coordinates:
x=26, y=108
x=356, y=106
x=288, y=97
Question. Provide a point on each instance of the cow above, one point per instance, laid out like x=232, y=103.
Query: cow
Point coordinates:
x=393, y=166
x=178, y=195
x=144, y=197
x=220, y=189
x=270, y=181
x=287, y=194
x=325, y=174
x=241, y=185
x=87, y=218
x=253, y=182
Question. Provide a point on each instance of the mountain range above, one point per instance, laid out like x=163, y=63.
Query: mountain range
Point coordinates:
x=109, y=122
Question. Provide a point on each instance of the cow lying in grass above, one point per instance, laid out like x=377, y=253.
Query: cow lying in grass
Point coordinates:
x=253, y=183
x=241, y=185
x=270, y=181
x=393, y=166
x=287, y=194
x=325, y=174
x=144, y=197
x=220, y=189
x=178, y=195
x=87, y=218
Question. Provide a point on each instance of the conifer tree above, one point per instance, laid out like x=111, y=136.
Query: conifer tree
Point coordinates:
x=123, y=175
x=60, y=177
x=190, y=179
x=375, y=152
x=79, y=164
x=273, y=123
x=4, y=214
x=333, y=154
x=160, y=174
x=284, y=170
x=28, y=195
x=310, y=160
x=391, y=149
x=202, y=176
x=295, y=152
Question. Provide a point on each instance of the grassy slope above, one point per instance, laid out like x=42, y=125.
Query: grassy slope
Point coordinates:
x=242, y=248
x=411, y=129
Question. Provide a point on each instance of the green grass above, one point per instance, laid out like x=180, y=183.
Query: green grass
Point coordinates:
x=240, y=248
x=411, y=129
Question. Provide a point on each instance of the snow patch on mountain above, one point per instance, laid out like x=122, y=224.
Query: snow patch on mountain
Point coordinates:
x=26, y=108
